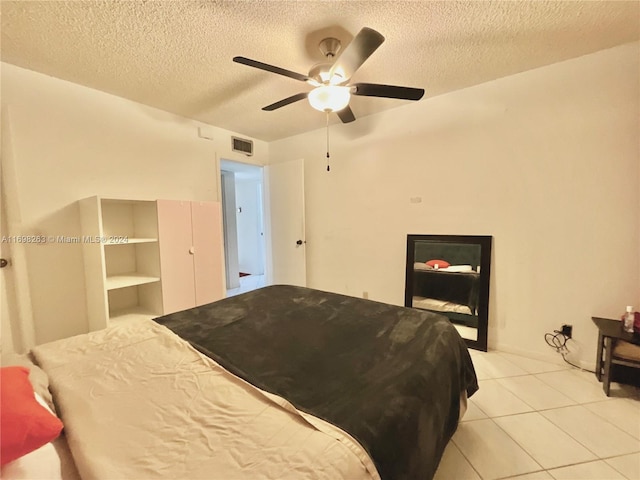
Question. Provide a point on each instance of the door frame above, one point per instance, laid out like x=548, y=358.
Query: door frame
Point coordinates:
x=265, y=246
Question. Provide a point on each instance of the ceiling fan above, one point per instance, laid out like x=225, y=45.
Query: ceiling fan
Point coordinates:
x=332, y=90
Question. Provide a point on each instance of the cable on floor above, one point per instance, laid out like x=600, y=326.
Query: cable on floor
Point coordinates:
x=559, y=343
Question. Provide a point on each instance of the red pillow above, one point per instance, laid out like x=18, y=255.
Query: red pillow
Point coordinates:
x=439, y=263
x=25, y=425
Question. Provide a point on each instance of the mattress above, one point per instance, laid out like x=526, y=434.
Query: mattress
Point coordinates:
x=137, y=401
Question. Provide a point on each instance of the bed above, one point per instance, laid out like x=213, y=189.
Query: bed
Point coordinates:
x=282, y=382
x=446, y=290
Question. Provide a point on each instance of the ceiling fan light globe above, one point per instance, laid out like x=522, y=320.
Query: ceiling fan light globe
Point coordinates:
x=329, y=98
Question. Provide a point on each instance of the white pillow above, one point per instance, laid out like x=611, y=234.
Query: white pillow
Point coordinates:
x=458, y=268
x=41, y=464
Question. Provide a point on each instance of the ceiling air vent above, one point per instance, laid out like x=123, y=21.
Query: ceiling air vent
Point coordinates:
x=241, y=145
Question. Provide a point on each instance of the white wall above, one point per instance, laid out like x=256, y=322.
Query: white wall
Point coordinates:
x=546, y=161
x=71, y=142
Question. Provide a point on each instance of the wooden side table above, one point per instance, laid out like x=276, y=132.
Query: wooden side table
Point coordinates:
x=609, y=332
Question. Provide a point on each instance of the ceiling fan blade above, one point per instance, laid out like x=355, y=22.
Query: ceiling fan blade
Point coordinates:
x=346, y=115
x=361, y=47
x=388, y=91
x=285, y=101
x=271, y=68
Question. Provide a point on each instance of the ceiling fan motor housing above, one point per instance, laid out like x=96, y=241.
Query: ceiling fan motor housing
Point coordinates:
x=320, y=71
x=330, y=47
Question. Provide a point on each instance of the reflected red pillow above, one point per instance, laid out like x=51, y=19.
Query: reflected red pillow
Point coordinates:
x=25, y=425
x=438, y=263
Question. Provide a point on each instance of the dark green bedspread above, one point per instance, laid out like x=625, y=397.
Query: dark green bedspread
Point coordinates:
x=390, y=376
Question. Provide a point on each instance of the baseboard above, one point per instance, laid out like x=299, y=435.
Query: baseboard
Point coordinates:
x=551, y=357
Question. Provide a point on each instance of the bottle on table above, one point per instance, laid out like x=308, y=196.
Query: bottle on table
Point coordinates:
x=627, y=321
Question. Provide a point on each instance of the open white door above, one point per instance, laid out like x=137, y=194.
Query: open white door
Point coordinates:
x=6, y=293
x=285, y=203
x=16, y=315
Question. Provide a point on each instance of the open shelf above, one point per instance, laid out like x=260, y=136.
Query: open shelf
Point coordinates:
x=130, y=241
x=132, y=314
x=122, y=271
x=143, y=300
x=129, y=280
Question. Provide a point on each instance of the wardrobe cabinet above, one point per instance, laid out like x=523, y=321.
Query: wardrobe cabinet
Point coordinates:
x=146, y=258
x=190, y=241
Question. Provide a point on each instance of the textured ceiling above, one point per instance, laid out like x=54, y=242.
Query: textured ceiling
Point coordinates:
x=176, y=55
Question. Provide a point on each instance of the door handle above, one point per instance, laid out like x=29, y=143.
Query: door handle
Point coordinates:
x=300, y=242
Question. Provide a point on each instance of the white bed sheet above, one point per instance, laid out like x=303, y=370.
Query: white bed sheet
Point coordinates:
x=439, y=305
x=139, y=402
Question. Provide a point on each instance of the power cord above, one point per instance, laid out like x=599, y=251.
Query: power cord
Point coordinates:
x=559, y=343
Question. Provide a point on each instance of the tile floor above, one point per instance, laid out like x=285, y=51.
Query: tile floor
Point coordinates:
x=535, y=420
x=248, y=283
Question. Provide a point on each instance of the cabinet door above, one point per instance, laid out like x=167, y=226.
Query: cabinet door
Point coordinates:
x=207, y=242
x=176, y=261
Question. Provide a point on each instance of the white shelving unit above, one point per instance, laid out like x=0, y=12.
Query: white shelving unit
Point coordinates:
x=122, y=259
x=129, y=280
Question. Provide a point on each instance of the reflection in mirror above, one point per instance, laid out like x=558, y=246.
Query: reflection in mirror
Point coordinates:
x=449, y=275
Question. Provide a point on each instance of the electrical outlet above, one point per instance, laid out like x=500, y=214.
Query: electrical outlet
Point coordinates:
x=567, y=330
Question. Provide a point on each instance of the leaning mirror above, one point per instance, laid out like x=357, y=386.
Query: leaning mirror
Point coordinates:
x=449, y=275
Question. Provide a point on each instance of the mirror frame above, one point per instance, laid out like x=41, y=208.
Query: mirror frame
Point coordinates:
x=485, y=242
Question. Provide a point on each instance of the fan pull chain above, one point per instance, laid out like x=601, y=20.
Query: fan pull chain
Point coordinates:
x=328, y=156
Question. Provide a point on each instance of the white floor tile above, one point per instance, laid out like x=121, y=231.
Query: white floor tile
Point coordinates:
x=633, y=401
x=587, y=471
x=632, y=393
x=493, y=365
x=622, y=413
x=531, y=365
x=544, y=441
x=491, y=452
x=592, y=431
x=534, y=420
x=573, y=386
x=586, y=375
x=454, y=465
x=473, y=411
x=495, y=400
x=616, y=390
x=627, y=465
x=476, y=353
x=535, y=392
x=532, y=476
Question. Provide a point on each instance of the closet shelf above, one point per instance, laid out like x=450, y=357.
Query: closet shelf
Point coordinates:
x=129, y=314
x=129, y=241
x=129, y=280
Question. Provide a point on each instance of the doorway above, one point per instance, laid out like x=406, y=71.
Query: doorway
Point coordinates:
x=242, y=188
